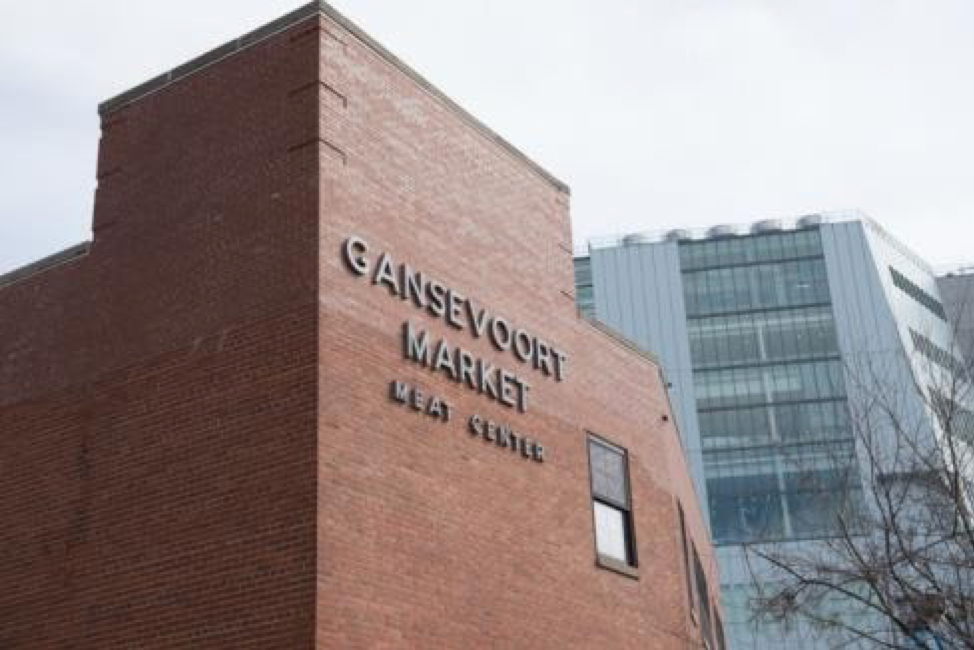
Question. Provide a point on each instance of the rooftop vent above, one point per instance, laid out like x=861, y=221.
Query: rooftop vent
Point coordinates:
x=810, y=221
x=722, y=231
x=768, y=225
x=637, y=238
x=678, y=234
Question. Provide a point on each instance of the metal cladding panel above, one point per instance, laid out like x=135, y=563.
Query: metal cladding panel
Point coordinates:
x=869, y=338
x=957, y=291
x=874, y=317
x=862, y=317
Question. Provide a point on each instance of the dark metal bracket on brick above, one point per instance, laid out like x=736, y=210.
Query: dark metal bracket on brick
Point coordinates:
x=335, y=151
x=342, y=99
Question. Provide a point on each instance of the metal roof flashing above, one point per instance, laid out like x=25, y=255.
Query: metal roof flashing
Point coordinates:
x=36, y=268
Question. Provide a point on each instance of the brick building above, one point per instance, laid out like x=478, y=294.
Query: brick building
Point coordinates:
x=318, y=381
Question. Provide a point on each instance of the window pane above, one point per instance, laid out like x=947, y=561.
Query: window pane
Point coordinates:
x=610, y=532
x=816, y=499
x=608, y=474
x=745, y=508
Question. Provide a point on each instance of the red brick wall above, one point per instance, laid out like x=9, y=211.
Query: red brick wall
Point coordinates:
x=162, y=399
x=429, y=537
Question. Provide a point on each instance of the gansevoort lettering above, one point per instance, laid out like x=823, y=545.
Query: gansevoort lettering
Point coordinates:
x=458, y=311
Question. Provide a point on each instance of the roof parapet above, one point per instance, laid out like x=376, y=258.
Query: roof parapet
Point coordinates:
x=761, y=226
x=34, y=268
x=319, y=7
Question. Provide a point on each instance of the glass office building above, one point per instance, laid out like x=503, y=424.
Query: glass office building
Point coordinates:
x=767, y=373
x=957, y=290
x=756, y=327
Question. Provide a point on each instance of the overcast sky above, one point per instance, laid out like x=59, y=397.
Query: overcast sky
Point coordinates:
x=658, y=113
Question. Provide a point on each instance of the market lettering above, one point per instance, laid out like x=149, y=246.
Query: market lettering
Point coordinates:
x=463, y=367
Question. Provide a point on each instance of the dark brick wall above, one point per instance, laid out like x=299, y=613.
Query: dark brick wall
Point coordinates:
x=203, y=218
x=169, y=504
x=197, y=443
x=158, y=396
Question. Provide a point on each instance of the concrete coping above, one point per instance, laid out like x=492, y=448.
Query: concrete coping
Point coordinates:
x=41, y=265
x=620, y=339
x=283, y=23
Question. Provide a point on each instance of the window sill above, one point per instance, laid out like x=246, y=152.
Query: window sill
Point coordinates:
x=611, y=564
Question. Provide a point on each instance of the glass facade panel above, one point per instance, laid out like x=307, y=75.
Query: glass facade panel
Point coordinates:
x=745, y=386
x=914, y=291
x=816, y=498
x=761, y=337
x=768, y=377
x=753, y=249
x=745, y=508
x=736, y=427
x=584, y=291
x=811, y=422
x=752, y=287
